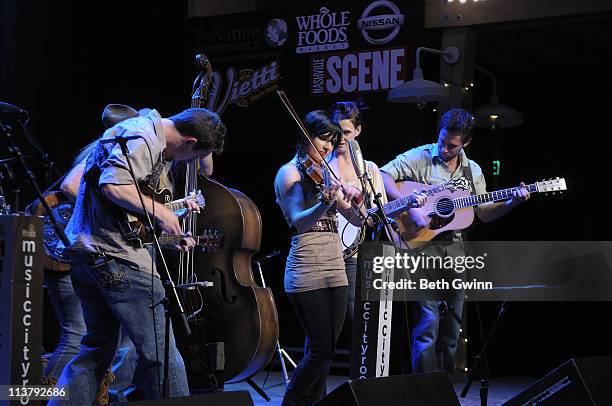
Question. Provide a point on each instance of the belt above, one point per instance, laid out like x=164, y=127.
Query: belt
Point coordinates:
x=89, y=258
x=321, y=226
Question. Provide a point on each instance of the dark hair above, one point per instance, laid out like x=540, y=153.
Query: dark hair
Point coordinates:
x=349, y=111
x=205, y=125
x=319, y=124
x=458, y=122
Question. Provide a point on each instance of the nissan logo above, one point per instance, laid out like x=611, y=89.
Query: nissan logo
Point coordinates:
x=391, y=21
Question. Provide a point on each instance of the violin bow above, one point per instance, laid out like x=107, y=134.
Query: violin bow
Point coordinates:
x=289, y=107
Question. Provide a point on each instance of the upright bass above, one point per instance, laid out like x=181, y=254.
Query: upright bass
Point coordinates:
x=234, y=322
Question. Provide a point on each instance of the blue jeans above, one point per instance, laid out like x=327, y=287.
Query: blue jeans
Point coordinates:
x=67, y=307
x=351, y=274
x=124, y=367
x=114, y=294
x=435, y=334
x=435, y=331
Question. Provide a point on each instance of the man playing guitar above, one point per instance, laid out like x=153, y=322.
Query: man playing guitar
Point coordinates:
x=435, y=164
x=116, y=281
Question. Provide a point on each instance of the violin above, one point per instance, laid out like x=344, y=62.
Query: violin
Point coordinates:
x=319, y=174
x=321, y=177
x=313, y=169
x=316, y=167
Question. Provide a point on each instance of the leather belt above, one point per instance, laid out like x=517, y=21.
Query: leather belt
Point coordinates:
x=89, y=258
x=321, y=226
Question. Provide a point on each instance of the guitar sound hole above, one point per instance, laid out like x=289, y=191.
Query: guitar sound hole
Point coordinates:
x=444, y=207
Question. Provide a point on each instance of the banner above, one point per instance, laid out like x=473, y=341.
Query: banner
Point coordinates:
x=319, y=55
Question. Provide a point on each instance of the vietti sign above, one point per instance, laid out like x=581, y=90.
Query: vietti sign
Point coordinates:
x=242, y=87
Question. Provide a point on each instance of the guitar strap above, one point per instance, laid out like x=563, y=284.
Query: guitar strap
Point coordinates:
x=467, y=172
x=153, y=179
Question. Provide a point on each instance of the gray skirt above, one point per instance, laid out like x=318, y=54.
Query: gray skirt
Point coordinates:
x=314, y=262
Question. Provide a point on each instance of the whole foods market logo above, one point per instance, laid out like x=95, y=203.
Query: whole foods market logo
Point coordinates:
x=276, y=33
x=325, y=31
x=389, y=23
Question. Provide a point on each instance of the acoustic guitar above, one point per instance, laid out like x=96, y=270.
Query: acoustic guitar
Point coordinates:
x=453, y=210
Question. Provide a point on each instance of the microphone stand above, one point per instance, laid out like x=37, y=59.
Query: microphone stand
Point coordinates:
x=49, y=164
x=388, y=225
x=14, y=149
x=172, y=304
x=382, y=216
x=480, y=366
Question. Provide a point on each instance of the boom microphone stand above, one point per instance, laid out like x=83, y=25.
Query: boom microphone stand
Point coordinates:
x=14, y=149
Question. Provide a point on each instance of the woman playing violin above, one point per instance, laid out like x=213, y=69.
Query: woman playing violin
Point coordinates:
x=315, y=278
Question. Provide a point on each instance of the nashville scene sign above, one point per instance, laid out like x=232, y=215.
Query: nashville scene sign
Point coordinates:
x=358, y=71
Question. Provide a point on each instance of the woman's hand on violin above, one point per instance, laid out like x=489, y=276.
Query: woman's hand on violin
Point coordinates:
x=330, y=191
x=351, y=205
x=352, y=194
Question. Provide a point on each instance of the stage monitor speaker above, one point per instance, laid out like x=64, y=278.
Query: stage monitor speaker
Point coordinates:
x=233, y=398
x=430, y=389
x=578, y=382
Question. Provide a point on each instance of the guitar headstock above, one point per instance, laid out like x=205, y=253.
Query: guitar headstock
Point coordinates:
x=551, y=185
x=211, y=240
x=198, y=198
x=454, y=184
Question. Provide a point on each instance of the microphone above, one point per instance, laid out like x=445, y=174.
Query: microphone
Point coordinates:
x=119, y=138
x=14, y=112
x=357, y=159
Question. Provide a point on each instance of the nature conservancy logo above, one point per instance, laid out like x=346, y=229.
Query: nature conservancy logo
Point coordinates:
x=276, y=33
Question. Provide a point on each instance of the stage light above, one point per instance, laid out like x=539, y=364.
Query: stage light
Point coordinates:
x=494, y=114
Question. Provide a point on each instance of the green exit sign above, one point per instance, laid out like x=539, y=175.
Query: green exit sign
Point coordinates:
x=496, y=167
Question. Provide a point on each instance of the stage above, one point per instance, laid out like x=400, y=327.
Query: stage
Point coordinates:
x=529, y=73
x=500, y=389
